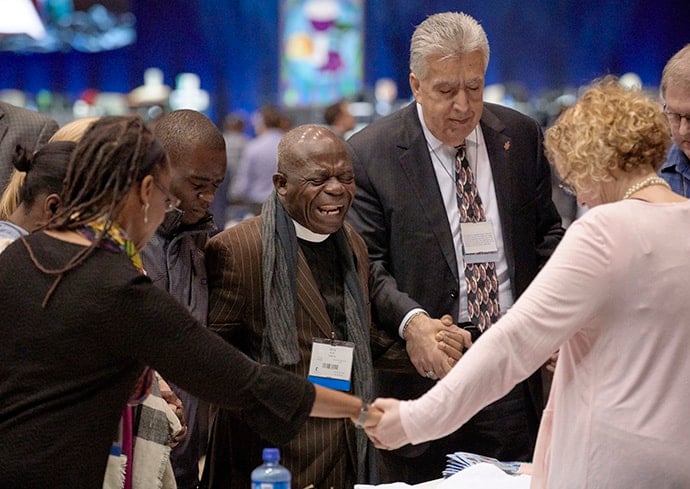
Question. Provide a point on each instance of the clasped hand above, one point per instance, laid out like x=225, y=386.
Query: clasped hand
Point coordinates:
x=435, y=345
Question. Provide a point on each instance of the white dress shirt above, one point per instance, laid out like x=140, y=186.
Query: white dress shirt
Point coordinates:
x=443, y=159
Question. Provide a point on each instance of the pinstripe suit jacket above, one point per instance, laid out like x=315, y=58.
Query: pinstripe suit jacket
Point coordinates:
x=323, y=452
x=20, y=126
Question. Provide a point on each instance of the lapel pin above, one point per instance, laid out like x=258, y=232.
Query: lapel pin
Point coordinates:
x=506, y=145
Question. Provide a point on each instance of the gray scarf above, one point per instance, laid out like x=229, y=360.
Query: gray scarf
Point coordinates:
x=279, y=344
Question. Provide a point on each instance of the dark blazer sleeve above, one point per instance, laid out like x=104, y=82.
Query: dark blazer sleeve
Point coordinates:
x=233, y=260
x=370, y=217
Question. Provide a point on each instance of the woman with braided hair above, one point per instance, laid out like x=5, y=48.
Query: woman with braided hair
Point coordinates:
x=80, y=323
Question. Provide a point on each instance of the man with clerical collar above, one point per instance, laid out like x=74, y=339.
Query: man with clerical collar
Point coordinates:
x=289, y=287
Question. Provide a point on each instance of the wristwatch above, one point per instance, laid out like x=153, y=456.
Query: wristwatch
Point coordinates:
x=363, y=412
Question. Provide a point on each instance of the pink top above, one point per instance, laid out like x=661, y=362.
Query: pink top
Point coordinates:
x=614, y=296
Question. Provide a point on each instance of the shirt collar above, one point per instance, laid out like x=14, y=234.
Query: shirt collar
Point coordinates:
x=676, y=161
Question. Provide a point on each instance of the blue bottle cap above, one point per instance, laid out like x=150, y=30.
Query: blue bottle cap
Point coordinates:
x=270, y=454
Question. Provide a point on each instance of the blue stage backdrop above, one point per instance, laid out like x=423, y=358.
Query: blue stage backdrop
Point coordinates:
x=234, y=46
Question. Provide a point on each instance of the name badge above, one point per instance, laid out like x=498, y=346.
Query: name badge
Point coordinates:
x=331, y=363
x=478, y=242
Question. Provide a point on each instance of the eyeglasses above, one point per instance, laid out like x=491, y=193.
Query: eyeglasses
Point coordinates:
x=171, y=202
x=675, y=118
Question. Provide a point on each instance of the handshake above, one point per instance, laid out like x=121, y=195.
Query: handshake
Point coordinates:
x=381, y=421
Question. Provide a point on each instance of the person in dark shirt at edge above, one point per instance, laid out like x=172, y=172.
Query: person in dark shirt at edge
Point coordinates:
x=675, y=92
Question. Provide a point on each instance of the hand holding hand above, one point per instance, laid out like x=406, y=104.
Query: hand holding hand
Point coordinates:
x=374, y=415
x=453, y=340
x=431, y=358
x=388, y=433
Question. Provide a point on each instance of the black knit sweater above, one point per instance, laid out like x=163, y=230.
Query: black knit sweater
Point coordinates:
x=66, y=371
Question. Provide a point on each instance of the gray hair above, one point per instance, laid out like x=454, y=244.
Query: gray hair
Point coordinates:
x=448, y=35
x=677, y=71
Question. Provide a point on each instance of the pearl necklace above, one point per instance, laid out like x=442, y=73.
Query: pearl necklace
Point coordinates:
x=650, y=180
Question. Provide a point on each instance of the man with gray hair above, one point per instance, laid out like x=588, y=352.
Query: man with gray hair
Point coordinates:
x=675, y=91
x=454, y=202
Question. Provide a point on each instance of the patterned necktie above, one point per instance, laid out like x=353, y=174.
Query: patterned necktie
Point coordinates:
x=481, y=278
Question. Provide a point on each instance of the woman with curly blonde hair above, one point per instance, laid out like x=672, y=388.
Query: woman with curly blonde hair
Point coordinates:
x=611, y=297
x=592, y=147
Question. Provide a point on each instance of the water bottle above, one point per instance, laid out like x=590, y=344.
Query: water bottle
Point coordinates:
x=270, y=474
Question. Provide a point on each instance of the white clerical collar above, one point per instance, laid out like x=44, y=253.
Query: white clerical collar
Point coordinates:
x=309, y=235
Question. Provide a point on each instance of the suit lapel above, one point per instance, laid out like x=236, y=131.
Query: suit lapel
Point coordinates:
x=498, y=149
x=309, y=296
x=416, y=163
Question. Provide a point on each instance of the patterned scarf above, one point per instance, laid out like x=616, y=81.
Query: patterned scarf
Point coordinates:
x=115, y=239
x=279, y=343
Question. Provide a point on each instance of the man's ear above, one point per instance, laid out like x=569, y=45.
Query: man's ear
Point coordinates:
x=280, y=183
x=414, y=85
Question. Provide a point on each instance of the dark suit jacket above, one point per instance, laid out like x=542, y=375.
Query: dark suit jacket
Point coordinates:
x=399, y=212
x=323, y=453
x=20, y=126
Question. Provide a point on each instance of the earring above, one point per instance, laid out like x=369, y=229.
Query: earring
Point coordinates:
x=146, y=213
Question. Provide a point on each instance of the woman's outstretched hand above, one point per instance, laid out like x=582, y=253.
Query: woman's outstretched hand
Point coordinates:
x=388, y=433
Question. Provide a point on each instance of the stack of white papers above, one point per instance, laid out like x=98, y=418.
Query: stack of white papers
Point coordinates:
x=461, y=460
x=485, y=476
